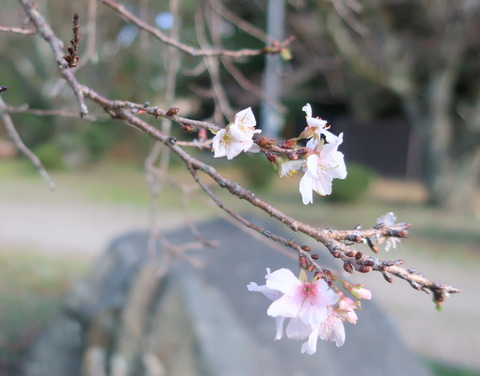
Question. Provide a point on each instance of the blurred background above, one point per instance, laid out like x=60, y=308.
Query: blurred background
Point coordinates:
x=398, y=77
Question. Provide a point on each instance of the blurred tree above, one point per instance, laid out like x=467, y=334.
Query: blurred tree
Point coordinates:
x=426, y=53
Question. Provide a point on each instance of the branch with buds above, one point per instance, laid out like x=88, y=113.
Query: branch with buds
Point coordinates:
x=320, y=160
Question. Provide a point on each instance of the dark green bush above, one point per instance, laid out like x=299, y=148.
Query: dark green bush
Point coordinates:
x=355, y=186
x=50, y=155
x=257, y=170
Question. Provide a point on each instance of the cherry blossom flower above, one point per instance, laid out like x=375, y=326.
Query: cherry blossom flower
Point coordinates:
x=388, y=219
x=288, y=167
x=237, y=136
x=324, y=165
x=316, y=126
x=305, y=304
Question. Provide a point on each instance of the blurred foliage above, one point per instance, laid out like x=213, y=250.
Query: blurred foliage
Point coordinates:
x=354, y=187
x=50, y=155
x=442, y=369
x=257, y=170
x=31, y=289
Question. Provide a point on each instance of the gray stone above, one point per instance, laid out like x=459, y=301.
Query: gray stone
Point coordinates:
x=202, y=321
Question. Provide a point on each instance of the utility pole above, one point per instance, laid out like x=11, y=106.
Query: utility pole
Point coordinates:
x=271, y=119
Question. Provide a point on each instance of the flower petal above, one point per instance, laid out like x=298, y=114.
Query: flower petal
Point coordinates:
x=308, y=110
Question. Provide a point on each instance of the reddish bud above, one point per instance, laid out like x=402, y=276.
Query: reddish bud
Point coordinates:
x=335, y=253
x=188, y=128
x=310, y=268
x=306, y=248
x=288, y=144
x=358, y=255
x=265, y=143
x=272, y=157
x=315, y=256
x=364, y=269
x=348, y=267
x=303, y=262
x=372, y=245
x=350, y=254
x=369, y=263
x=292, y=156
x=172, y=111
x=387, y=277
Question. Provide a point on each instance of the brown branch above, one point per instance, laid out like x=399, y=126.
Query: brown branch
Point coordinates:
x=17, y=140
x=56, y=44
x=334, y=241
x=23, y=109
x=17, y=30
x=72, y=57
x=189, y=50
x=337, y=242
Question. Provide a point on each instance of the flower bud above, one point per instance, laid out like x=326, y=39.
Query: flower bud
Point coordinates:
x=348, y=267
x=188, y=128
x=265, y=143
x=172, y=111
x=302, y=260
x=364, y=269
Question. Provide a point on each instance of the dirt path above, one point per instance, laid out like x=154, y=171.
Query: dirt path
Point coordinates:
x=60, y=224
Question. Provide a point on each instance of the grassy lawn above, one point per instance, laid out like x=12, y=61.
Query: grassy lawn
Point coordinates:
x=32, y=285
x=31, y=288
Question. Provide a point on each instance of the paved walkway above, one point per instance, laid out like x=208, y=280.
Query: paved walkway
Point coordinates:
x=58, y=224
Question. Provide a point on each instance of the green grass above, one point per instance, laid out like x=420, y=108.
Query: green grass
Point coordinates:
x=442, y=369
x=31, y=289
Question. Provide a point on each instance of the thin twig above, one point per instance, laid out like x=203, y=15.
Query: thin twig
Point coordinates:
x=17, y=30
x=17, y=140
x=178, y=45
x=57, y=46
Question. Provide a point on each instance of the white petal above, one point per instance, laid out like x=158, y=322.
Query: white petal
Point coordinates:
x=297, y=329
x=279, y=327
x=253, y=149
x=388, y=219
x=285, y=306
x=323, y=183
x=245, y=117
x=289, y=167
x=218, y=144
x=310, y=347
x=305, y=187
x=234, y=148
x=308, y=110
x=269, y=293
x=316, y=123
x=312, y=164
x=312, y=314
x=283, y=280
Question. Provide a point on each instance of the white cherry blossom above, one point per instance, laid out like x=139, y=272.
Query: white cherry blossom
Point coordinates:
x=318, y=125
x=237, y=137
x=388, y=219
x=322, y=167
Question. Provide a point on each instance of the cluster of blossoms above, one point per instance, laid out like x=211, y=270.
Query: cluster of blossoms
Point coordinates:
x=314, y=309
x=320, y=159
